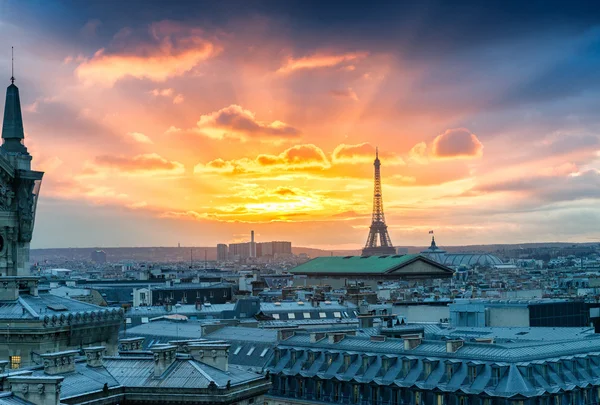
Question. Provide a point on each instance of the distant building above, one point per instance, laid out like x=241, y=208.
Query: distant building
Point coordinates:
x=456, y=260
x=99, y=256
x=221, y=252
x=337, y=270
x=512, y=313
x=218, y=293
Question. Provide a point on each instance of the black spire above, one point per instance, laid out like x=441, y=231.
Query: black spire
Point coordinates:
x=12, y=127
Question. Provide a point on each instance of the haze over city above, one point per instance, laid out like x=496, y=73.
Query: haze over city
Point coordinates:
x=161, y=125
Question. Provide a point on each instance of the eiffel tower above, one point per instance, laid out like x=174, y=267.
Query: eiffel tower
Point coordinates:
x=378, y=242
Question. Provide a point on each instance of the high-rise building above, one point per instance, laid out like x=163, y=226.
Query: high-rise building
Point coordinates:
x=239, y=250
x=252, y=245
x=99, y=256
x=221, y=252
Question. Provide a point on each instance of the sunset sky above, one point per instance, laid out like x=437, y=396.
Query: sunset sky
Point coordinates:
x=196, y=122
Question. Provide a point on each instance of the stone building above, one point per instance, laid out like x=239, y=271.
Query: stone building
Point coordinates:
x=184, y=372
x=33, y=323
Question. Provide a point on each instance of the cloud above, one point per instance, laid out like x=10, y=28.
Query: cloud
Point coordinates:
x=547, y=189
x=418, y=153
x=139, y=137
x=344, y=94
x=362, y=153
x=456, y=143
x=236, y=122
x=172, y=51
x=298, y=157
x=168, y=93
x=91, y=28
x=151, y=164
x=319, y=60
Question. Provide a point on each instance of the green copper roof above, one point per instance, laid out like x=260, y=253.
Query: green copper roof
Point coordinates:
x=354, y=264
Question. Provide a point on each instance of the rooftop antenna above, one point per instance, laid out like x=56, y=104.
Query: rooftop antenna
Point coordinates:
x=12, y=76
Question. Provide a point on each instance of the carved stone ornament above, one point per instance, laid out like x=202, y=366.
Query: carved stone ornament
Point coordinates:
x=6, y=197
x=41, y=388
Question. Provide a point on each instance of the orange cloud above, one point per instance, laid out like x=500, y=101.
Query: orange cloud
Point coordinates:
x=344, y=94
x=174, y=51
x=319, y=60
x=456, y=143
x=151, y=163
x=169, y=93
x=236, y=122
x=362, y=153
x=295, y=158
x=418, y=153
x=139, y=137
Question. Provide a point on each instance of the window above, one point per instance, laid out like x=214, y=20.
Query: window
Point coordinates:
x=275, y=316
x=306, y=315
x=337, y=314
x=405, y=367
x=264, y=352
x=15, y=362
x=212, y=294
x=144, y=319
x=322, y=315
x=318, y=390
x=472, y=373
x=224, y=293
x=495, y=375
x=427, y=369
x=250, y=351
x=128, y=321
x=355, y=391
x=237, y=350
x=345, y=314
x=291, y=315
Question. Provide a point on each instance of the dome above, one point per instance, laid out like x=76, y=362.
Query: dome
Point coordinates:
x=471, y=259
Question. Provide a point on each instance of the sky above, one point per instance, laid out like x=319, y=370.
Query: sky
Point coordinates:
x=160, y=123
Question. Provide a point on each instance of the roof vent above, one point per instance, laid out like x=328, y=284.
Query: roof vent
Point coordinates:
x=396, y=256
x=485, y=340
x=411, y=342
x=277, y=304
x=384, y=256
x=348, y=257
x=300, y=303
x=317, y=337
x=57, y=307
x=377, y=338
x=365, y=257
x=336, y=337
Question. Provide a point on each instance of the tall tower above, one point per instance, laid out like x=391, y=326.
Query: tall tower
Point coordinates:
x=378, y=242
x=19, y=189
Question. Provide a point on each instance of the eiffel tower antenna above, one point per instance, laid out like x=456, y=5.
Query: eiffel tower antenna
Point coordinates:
x=378, y=242
x=12, y=76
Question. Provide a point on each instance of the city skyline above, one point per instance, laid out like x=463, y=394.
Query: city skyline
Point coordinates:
x=162, y=126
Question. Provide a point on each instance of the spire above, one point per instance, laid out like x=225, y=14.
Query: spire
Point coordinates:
x=12, y=127
x=12, y=76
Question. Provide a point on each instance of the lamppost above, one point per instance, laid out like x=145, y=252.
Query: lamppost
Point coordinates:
x=177, y=306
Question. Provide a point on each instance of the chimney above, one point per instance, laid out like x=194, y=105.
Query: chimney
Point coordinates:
x=317, y=337
x=453, y=345
x=335, y=337
x=213, y=354
x=168, y=306
x=198, y=305
x=164, y=356
x=94, y=356
x=377, y=338
x=36, y=390
x=489, y=340
x=131, y=344
x=411, y=342
x=59, y=362
x=183, y=346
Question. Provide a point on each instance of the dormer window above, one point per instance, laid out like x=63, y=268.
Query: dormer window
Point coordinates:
x=472, y=373
x=293, y=355
x=346, y=361
x=329, y=358
x=427, y=368
x=449, y=370
x=365, y=363
x=311, y=357
x=558, y=368
x=385, y=364
x=406, y=366
x=495, y=375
